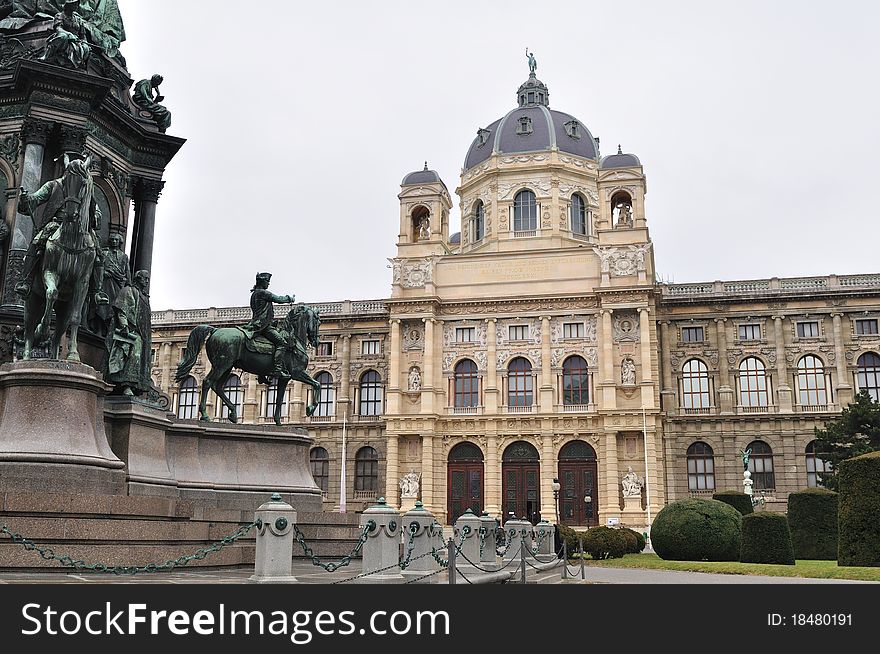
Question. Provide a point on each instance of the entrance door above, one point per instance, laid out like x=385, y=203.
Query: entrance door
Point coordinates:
x=578, y=475
x=464, y=481
x=521, y=474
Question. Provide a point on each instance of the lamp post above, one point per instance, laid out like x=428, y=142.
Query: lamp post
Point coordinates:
x=555, y=486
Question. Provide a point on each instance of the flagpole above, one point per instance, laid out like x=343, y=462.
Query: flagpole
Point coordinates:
x=342, y=466
x=647, y=487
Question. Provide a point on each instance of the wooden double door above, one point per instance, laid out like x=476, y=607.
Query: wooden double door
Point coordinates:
x=522, y=490
x=577, y=483
x=465, y=487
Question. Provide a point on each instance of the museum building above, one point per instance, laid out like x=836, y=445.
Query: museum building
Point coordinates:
x=536, y=345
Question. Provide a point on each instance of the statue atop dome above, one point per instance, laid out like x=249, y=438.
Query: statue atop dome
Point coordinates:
x=533, y=63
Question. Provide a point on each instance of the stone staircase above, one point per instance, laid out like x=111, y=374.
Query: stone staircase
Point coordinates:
x=138, y=530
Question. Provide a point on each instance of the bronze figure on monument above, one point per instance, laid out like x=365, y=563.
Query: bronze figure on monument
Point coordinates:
x=131, y=340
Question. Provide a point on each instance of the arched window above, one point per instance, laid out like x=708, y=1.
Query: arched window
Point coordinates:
x=868, y=375
x=815, y=466
x=753, y=383
x=320, y=462
x=371, y=394
x=520, y=383
x=479, y=221
x=467, y=384
x=575, y=381
x=232, y=389
x=366, y=473
x=327, y=401
x=701, y=467
x=421, y=223
x=811, y=381
x=622, y=208
x=578, y=215
x=695, y=385
x=525, y=212
x=188, y=399
x=761, y=466
x=271, y=394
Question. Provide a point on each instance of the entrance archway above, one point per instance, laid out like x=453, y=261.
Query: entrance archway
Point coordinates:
x=464, y=481
x=521, y=485
x=578, y=475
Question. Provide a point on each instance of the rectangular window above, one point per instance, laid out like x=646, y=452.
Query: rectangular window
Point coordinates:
x=573, y=330
x=519, y=332
x=325, y=349
x=465, y=334
x=154, y=355
x=750, y=332
x=692, y=334
x=370, y=347
x=866, y=326
x=808, y=329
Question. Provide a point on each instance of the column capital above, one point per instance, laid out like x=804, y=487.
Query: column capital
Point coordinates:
x=147, y=189
x=545, y=318
x=73, y=139
x=490, y=321
x=778, y=319
x=36, y=131
x=718, y=320
x=428, y=320
x=393, y=321
x=644, y=310
x=604, y=310
x=837, y=314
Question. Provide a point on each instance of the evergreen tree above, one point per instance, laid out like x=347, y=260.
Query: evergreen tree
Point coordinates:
x=855, y=432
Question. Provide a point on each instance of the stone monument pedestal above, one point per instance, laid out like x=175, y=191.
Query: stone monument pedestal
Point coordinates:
x=633, y=515
x=52, y=436
x=407, y=504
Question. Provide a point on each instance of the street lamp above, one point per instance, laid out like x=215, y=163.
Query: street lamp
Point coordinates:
x=555, y=486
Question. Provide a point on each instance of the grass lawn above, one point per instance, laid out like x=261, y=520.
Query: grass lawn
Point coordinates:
x=809, y=569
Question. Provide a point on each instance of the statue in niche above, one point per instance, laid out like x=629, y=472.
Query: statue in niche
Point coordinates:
x=424, y=229
x=117, y=275
x=69, y=44
x=409, y=485
x=632, y=484
x=147, y=97
x=624, y=214
x=628, y=372
x=415, y=380
x=131, y=339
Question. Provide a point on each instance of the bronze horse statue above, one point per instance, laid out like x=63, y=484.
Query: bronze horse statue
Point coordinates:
x=228, y=348
x=62, y=282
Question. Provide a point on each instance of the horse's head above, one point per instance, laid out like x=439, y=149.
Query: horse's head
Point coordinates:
x=77, y=186
x=305, y=322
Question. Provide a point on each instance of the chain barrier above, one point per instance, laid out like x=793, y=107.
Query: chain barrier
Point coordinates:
x=483, y=532
x=508, y=539
x=459, y=573
x=375, y=572
x=541, y=536
x=430, y=574
x=346, y=560
x=49, y=554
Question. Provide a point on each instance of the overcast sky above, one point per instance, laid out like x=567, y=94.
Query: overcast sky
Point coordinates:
x=756, y=122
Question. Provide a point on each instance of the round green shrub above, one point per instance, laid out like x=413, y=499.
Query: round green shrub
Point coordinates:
x=739, y=501
x=859, y=517
x=605, y=543
x=632, y=541
x=812, y=518
x=697, y=530
x=571, y=538
x=766, y=539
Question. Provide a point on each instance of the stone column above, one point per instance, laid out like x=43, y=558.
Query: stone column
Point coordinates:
x=606, y=362
x=492, y=486
x=667, y=394
x=147, y=192
x=252, y=404
x=165, y=364
x=34, y=134
x=428, y=471
x=490, y=392
x=546, y=367
x=726, y=393
x=646, y=347
x=610, y=502
x=783, y=390
x=296, y=404
x=392, y=470
x=73, y=141
x=844, y=383
x=394, y=370
x=428, y=377
x=548, y=472
x=344, y=401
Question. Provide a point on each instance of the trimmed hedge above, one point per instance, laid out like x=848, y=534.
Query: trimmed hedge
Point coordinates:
x=697, y=530
x=605, y=543
x=571, y=537
x=812, y=518
x=859, y=516
x=766, y=539
x=632, y=541
x=739, y=501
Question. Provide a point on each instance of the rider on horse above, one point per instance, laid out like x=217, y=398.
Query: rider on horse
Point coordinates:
x=262, y=323
x=58, y=209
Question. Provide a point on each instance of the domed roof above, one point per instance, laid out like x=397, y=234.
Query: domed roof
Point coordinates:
x=532, y=127
x=455, y=239
x=422, y=177
x=620, y=160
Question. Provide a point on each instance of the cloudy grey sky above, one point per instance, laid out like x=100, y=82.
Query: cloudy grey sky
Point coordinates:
x=756, y=122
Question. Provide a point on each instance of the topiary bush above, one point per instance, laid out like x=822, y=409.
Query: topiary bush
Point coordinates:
x=697, y=530
x=605, y=543
x=812, y=518
x=766, y=539
x=635, y=541
x=571, y=537
x=739, y=501
x=859, y=515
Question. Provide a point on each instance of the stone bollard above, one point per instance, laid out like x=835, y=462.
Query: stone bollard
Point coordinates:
x=515, y=530
x=274, y=556
x=545, y=538
x=488, y=558
x=382, y=549
x=467, y=532
x=418, y=524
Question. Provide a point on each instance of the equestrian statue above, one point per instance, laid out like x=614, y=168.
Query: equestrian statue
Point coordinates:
x=62, y=267
x=269, y=349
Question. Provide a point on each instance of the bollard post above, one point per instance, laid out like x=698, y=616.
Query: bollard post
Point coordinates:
x=467, y=529
x=581, y=547
x=564, y=560
x=452, y=570
x=418, y=524
x=273, y=562
x=488, y=556
x=522, y=559
x=515, y=531
x=382, y=549
x=545, y=538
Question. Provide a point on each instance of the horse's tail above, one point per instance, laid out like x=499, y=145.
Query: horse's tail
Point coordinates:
x=193, y=346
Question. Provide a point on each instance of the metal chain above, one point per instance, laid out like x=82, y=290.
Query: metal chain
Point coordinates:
x=346, y=560
x=409, y=550
x=541, y=536
x=68, y=562
x=375, y=572
x=508, y=540
x=483, y=533
x=430, y=574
